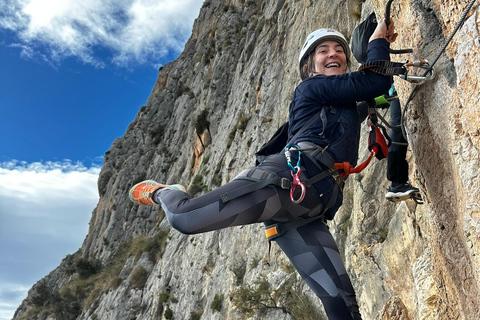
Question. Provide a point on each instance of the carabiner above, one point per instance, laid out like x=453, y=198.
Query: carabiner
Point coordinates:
x=422, y=64
x=288, y=155
x=297, y=183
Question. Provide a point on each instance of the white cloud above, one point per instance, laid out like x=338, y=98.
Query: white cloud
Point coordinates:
x=133, y=30
x=44, y=213
x=10, y=298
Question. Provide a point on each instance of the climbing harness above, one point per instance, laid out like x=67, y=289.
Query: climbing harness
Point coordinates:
x=320, y=157
x=339, y=171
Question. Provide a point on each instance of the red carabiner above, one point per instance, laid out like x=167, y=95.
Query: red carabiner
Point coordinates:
x=297, y=183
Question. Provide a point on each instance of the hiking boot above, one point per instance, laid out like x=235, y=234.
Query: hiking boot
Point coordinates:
x=142, y=192
x=403, y=192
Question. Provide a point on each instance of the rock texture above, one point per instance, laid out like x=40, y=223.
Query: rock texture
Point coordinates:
x=211, y=109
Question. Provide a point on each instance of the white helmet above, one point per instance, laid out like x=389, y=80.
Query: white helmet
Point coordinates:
x=321, y=35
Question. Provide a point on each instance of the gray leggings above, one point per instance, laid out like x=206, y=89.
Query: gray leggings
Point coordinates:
x=311, y=247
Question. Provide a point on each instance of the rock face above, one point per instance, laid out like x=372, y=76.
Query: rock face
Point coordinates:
x=211, y=109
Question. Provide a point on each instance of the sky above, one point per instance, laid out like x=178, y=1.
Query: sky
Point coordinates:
x=73, y=75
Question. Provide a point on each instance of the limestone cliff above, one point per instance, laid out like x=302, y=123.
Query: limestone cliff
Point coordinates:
x=211, y=109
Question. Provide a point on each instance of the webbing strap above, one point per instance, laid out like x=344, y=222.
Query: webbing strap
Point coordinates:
x=318, y=177
x=262, y=179
x=378, y=134
x=349, y=169
x=306, y=126
x=384, y=67
x=321, y=156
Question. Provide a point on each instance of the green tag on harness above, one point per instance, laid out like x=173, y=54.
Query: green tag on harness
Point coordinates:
x=381, y=102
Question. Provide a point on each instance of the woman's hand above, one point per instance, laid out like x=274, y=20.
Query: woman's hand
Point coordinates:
x=382, y=31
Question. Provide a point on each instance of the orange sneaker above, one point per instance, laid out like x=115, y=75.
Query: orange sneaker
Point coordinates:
x=142, y=192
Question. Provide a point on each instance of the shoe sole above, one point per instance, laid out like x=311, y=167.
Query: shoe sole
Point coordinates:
x=397, y=197
x=176, y=187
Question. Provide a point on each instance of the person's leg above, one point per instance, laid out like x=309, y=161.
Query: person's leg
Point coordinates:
x=314, y=253
x=209, y=212
x=397, y=165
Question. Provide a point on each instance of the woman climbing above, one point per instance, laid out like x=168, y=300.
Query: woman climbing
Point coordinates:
x=295, y=212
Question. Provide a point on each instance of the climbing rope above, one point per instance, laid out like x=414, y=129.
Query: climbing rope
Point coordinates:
x=430, y=68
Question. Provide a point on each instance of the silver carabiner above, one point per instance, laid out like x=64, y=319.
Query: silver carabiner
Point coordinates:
x=421, y=64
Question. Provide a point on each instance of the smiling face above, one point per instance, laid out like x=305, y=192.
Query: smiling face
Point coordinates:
x=329, y=59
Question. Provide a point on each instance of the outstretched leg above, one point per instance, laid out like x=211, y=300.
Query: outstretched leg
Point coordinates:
x=209, y=212
x=314, y=253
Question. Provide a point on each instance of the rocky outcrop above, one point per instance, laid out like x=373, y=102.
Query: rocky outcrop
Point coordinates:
x=208, y=113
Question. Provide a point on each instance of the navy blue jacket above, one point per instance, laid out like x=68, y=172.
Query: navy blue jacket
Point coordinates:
x=338, y=95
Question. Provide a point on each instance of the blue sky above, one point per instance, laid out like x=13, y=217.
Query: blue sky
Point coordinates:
x=73, y=75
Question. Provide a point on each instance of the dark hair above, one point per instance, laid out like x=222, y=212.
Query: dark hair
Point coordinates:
x=310, y=65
